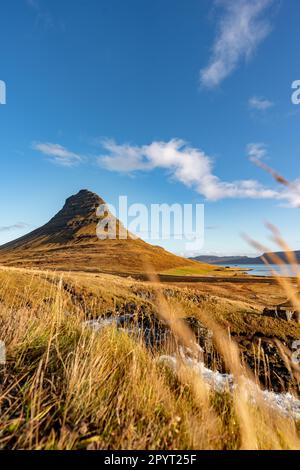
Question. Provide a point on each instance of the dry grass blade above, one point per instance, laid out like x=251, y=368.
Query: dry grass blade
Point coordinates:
x=279, y=178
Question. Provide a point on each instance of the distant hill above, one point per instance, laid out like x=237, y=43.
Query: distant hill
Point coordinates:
x=69, y=242
x=234, y=260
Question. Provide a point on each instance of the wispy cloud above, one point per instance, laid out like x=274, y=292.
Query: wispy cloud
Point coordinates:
x=257, y=151
x=43, y=16
x=9, y=228
x=189, y=166
x=260, y=104
x=58, y=154
x=242, y=27
x=33, y=4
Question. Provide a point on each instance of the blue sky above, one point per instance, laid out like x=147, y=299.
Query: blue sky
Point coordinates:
x=164, y=102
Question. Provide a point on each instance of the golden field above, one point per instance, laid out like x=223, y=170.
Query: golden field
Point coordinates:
x=65, y=386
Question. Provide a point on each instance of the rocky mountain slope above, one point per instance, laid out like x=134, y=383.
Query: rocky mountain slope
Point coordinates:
x=69, y=242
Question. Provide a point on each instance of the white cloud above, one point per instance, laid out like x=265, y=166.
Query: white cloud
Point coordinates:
x=243, y=26
x=185, y=164
x=291, y=195
x=123, y=158
x=17, y=226
x=260, y=104
x=256, y=151
x=58, y=154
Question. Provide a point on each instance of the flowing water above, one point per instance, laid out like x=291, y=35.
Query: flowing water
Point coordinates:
x=284, y=403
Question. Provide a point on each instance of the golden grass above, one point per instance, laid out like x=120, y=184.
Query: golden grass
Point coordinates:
x=66, y=387
x=201, y=270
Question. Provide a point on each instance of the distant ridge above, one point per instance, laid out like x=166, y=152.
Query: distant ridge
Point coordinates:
x=234, y=260
x=69, y=242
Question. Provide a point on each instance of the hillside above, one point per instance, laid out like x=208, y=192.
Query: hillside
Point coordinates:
x=69, y=242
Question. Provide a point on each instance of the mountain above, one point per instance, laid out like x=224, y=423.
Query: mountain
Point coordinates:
x=228, y=260
x=233, y=260
x=69, y=242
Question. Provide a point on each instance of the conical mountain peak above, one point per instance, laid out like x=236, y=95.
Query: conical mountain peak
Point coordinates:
x=80, y=208
x=70, y=241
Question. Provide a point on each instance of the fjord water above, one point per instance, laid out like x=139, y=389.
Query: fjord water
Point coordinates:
x=263, y=270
